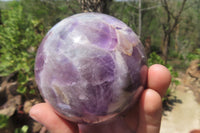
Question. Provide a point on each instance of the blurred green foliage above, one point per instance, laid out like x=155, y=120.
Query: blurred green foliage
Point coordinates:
x=3, y=121
x=23, y=129
x=49, y=12
x=18, y=40
x=194, y=55
x=155, y=59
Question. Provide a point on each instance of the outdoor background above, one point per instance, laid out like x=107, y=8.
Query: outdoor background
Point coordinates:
x=168, y=29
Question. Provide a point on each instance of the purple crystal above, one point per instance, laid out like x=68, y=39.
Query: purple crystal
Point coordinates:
x=90, y=67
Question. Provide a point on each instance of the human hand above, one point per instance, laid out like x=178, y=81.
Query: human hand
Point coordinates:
x=145, y=117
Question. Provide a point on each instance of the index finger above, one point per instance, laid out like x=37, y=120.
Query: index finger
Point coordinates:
x=159, y=78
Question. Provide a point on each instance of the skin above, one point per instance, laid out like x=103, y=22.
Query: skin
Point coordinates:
x=144, y=117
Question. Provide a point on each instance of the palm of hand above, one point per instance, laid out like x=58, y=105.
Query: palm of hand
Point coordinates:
x=145, y=117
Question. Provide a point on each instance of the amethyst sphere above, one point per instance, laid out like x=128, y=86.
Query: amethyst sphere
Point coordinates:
x=90, y=67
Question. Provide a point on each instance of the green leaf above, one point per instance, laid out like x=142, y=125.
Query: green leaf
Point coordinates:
x=32, y=91
x=22, y=89
x=23, y=129
x=3, y=121
x=176, y=82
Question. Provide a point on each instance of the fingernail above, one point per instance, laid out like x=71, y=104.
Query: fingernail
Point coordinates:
x=33, y=113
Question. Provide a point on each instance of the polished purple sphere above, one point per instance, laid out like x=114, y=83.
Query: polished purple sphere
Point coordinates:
x=90, y=67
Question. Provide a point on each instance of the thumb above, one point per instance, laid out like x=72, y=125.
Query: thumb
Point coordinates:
x=45, y=114
x=150, y=112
